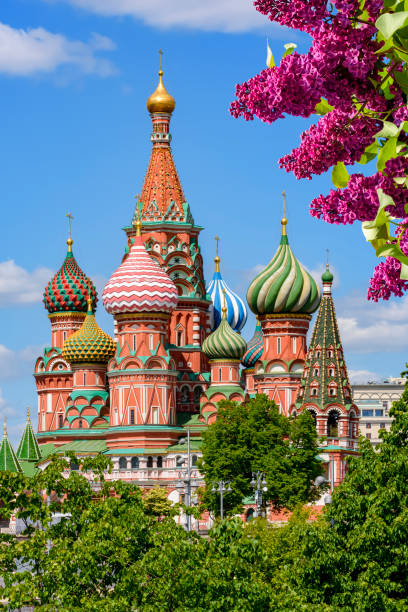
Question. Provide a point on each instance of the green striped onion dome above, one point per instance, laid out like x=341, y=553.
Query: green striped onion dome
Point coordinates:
x=284, y=286
x=224, y=343
x=89, y=344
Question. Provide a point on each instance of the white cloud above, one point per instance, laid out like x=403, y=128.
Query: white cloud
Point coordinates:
x=34, y=51
x=17, y=364
x=208, y=15
x=318, y=270
x=363, y=376
x=18, y=286
x=6, y=409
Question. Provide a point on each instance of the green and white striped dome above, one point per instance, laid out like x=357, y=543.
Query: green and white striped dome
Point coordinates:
x=224, y=343
x=284, y=286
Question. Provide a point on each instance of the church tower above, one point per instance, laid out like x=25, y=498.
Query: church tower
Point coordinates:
x=283, y=296
x=171, y=238
x=325, y=388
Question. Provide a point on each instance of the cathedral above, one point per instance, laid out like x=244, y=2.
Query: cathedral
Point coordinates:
x=144, y=395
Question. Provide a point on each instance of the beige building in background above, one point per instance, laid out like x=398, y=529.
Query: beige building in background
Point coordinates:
x=374, y=400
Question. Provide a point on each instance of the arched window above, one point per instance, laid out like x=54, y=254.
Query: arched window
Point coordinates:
x=331, y=372
x=80, y=424
x=314, y=391
x=185, y=395
x=159, y=462
x=315, y=371
x=198, y=391
x=122, y=463
x=150, y=462
x=135, y=463
x=249, y=514
x=194, y=460
x=332, y=391
x=293, y=414
x=179, y=338
x=333, y=424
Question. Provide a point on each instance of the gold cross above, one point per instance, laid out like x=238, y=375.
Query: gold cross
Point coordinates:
x=217, y=239
x=327, y=258
x=284, y=203
x=160, y=53
x=69, y=241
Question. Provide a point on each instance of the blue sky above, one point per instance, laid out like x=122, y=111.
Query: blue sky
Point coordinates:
x=74, y=79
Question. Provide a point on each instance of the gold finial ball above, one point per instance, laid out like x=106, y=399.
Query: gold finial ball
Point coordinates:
x=161, y=101
x=217, y=259
x=284, y=221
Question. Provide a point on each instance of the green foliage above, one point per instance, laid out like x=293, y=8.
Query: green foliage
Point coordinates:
x=254, y=436
x=156, y=503
x=340, y=176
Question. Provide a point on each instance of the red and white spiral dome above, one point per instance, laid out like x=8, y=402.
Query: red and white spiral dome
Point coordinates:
x=139, y=285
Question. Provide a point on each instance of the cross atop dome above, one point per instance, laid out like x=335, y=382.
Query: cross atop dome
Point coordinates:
x=160, y=101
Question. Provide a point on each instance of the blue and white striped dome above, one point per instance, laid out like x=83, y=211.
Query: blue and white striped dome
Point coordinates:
x=236, y=309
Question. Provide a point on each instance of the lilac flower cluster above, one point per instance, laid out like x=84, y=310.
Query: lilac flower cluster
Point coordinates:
x=336, y=137
x=359, y=200
x=298, y=14
x=386, y=281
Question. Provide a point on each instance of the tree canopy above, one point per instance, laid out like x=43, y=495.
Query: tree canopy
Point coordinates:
x=252, y=437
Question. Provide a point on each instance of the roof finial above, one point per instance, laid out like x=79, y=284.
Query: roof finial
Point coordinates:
x=70, y=242
x=327, y=259
x=5, y=427
x=160, y=101
x=160, y=60
x=138, y=223
x=89, y=299
x=284, y=220
x=28, y=413
x=216, y=258
x=224, y=308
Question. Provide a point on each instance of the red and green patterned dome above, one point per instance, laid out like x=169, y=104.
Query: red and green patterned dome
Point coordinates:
x=68, y=290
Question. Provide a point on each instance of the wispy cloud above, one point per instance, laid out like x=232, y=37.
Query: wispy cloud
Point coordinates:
x=19, y=286
x=207, y=15
x=19, y=363
x=35, y=51
x=363, y=376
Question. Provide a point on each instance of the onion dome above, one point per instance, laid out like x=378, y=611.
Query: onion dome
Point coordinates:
x=89, y=344
x=284, y=286
x=254, y=347
x=327, y=276
x=68, y=290
x=160, y=101
x=224, y=342
x=236, y=309
x=139, y=284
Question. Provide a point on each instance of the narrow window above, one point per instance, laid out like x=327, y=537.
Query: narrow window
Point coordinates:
x=278, y=345
x=219, y=374
x=60, y=421
x=64, y=336
x=80, y=424
x=151, y=342
x=122, y=463
x=135, y=463
x=132, y=417
x=294, y=343
x=150, y=462
x=155, y=416
x=179, y=338
x=84, y=380
x=159, y=462
x=194, y=460
x=230, y=373
x=134, y=342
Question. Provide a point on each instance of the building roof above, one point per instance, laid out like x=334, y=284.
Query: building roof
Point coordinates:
x=284, y=286
x=254, y=347
x=224, y=343
x=89, y=344
x=8, y=459
x=68, y=289
x=83, y=446
x=28, y=449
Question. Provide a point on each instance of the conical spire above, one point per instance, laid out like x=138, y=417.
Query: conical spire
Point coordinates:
x=8, y=459
x=28, y=449
x=325, y=380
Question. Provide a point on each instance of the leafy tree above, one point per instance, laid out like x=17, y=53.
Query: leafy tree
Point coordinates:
x=156, y=503
x=354, y=77
x=254, y=436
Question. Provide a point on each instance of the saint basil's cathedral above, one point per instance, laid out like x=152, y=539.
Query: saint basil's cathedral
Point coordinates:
x=176, y=349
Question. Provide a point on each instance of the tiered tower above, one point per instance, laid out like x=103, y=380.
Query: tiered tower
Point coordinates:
x=283, y=296
x=8, y=459
x=142, y=375
x=65, y=298
x=224, y=348
x=251, y=356
x=325, y=388
x=171, y=238
x=88, y=351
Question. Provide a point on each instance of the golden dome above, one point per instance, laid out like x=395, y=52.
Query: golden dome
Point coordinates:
x=161, y=101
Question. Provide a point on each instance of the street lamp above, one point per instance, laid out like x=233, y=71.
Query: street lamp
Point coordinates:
x=258, y=483
x=221, y=486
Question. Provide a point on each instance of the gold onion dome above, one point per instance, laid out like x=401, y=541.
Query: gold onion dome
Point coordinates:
x=89, y=344
x=284, y=286
x=224, y=342
x=161, y=101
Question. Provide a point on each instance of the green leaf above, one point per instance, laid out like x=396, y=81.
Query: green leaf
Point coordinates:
x=340, y=176
x=369, y=153
x=388, y=151
x=404, y=271
x=388, y=130
x=323, y=107
x=402, y=80
x=290, y=47
x=389, y=23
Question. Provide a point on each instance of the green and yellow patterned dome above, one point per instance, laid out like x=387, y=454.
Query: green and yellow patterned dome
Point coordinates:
x=284, y=286
x=224, y=342
x=89, y=344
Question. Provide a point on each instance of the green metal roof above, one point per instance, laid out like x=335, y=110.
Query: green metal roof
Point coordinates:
x=28, y=449
x=28, y=468
x=8, y=459
x=135, y=451
x=47, y=449
x=83, y=446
